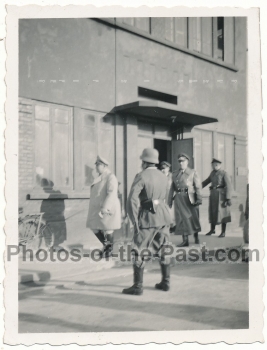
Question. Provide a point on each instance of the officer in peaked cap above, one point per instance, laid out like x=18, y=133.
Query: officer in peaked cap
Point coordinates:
x=220, y=197
x=185, y=192
x=104, y=215
x=151, y=218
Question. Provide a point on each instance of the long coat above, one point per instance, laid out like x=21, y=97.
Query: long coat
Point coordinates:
x=186, y=214
x=104, y=194
x=149, y=184
x=218, y=211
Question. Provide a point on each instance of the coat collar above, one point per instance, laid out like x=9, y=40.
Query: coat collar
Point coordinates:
x=187, y=171
x=101, y=177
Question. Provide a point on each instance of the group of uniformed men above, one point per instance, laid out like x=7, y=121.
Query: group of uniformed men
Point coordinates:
x=150, y=207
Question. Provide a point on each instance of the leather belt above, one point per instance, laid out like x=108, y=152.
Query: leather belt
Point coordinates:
x=215, y=187
x=182, y=190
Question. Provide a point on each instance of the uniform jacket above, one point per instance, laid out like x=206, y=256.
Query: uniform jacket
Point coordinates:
x=220, y=178
x=188, y=179
x=104, y=194
x=148, y=184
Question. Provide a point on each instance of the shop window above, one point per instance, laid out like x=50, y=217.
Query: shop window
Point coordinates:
x=180, y=25
x=53, y=145
x=89, y=149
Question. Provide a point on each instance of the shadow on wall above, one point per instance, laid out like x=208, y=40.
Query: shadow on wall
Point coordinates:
x=53, y=209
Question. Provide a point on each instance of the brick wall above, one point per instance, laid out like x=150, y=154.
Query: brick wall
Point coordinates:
x=26, y=148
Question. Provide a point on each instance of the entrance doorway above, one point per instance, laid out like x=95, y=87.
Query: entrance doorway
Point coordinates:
x=164, y=149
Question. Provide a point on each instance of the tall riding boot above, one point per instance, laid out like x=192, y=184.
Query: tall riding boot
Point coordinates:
x=196, y=238
x=137, y=287
x=211, y=231
x=223, y=231
x=185, y=242
x=165, y=279
x=109, y=246
x=102, y=237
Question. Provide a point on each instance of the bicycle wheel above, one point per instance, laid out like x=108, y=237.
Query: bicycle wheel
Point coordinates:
x=27, y=232
x=46, y=236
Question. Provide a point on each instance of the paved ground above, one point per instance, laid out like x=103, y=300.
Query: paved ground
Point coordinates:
x=202, y=296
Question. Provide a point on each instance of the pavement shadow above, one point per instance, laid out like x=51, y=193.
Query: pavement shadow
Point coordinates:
x=215, y=317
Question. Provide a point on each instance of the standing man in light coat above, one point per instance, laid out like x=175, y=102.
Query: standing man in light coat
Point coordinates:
x=185, y=191
x=220, y=197
x=104, y=214
x=151, y=218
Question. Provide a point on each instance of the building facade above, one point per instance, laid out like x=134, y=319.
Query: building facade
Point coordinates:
x=115, y=86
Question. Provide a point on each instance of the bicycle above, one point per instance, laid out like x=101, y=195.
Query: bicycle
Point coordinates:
x=34, y=232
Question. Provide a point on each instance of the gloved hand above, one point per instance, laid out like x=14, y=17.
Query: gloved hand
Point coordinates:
x=104, y=211
x=198, y=202
x=228, y=202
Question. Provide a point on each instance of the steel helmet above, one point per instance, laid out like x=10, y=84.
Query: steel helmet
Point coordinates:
x=150, y=155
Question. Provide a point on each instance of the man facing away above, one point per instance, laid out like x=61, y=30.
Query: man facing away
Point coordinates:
x=220, y=197
x=151, y=218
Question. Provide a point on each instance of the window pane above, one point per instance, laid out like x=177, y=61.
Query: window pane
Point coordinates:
x=195, y=33
x=42, y=113
x=61, y=116
x=220, y=37
x=206, y=153
x=181, y=31
x=229, y=155
x=158, y=27
x=106, y=141
x=89, y=149
x=169, y=28
x=128, y=20
x=229, y=39
x=221, y=150
x=206, y=35
x=61, y=154
x=142, y=23
x=42, y=144
x=198, y=152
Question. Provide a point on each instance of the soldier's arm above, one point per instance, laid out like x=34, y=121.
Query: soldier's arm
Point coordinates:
x=133, y=202
x=228, y=184
x=197, y=186
x=206, y=182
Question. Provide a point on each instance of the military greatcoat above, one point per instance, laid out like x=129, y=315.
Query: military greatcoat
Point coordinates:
x=185, y=191
x=220, y=191
x=104, y=194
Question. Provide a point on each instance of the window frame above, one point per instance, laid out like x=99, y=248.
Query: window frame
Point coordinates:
x=135, y=31
x=52, y=107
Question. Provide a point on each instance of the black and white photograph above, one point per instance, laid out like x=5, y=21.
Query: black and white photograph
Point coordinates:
x=133, y=204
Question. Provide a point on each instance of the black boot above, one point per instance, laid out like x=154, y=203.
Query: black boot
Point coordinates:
x=165, y=279
x=196, y=238
x=212, y=230
x=223, y=231
x=102, y=237
x=137, y=288
x=109, y=246
x=185, y=242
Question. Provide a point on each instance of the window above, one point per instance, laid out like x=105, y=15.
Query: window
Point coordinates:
x=53, y=145
x=67, y=142
x=142, y=23
x=226, y=153
x=203, y=152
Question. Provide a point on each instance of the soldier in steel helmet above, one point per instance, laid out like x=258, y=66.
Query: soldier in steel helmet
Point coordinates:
x=220, y=197
x=104, y=214
x=150, y=215
x=185, y=192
